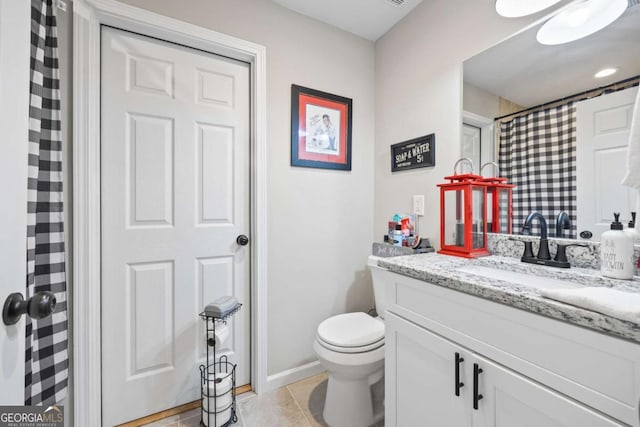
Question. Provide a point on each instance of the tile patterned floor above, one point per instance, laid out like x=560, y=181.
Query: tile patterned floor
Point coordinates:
x=296, y=405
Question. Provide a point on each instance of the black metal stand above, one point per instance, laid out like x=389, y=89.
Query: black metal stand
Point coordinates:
x=217, y=380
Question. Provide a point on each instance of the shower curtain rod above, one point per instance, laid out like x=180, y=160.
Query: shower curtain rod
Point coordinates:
x=581, y=96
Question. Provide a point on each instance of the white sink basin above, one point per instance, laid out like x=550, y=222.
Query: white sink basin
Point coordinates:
x=517, y=278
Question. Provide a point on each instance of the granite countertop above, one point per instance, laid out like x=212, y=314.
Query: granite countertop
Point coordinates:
x=444, y=270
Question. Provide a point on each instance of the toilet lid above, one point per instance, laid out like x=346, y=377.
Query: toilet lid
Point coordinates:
x=351, y=330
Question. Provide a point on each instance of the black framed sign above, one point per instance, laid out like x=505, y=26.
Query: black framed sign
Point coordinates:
x=414, y=153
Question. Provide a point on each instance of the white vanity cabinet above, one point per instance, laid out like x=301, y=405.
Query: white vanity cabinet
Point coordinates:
x=421, y=375
x=419, y=390
x=532, y=371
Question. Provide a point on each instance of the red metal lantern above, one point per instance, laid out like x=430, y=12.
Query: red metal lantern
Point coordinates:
x=463, y=215
x=499, y=202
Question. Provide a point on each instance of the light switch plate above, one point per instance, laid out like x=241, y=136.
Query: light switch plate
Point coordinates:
x=418, y=205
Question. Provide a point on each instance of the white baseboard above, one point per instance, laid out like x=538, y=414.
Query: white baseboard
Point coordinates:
x=289, y=376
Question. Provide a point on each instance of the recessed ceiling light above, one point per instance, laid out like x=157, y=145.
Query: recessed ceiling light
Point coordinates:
x=605, y=72
x=517, y=8
x=580, y=20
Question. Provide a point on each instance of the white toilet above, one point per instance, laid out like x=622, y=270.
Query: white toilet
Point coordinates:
x=351, y=348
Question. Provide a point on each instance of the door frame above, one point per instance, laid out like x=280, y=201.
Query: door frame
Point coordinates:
x=89, y=16
x=488, y=143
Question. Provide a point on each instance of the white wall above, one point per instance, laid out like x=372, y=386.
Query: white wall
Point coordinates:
x=320, y=222
x=478, y=101
x=418, y=92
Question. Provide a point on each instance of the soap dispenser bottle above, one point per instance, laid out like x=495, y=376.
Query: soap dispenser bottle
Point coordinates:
x=616, y=252
x=632, y=229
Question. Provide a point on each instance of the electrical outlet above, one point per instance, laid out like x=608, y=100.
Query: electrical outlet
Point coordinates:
x=418, y=205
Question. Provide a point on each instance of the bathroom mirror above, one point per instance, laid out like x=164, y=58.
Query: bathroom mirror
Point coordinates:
x=519, y=73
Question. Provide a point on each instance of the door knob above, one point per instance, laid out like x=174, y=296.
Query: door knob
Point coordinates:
x=242, y=240
x=37, y=307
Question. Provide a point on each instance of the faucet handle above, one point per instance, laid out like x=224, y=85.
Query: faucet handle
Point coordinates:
x=528, y=247
x=561, y=255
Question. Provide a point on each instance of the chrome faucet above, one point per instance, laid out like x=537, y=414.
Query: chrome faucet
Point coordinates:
x=543, y=252
x=563, y=222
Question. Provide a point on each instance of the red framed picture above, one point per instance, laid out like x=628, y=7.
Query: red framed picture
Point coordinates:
x=320, y=129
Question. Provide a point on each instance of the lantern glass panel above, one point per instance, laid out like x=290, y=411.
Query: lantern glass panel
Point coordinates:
x=490, y=225
x=454, y=218
x=478, y=223
x=503, y=202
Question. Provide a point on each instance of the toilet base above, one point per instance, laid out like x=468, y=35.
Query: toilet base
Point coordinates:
x=350, y=403
x=350, y=396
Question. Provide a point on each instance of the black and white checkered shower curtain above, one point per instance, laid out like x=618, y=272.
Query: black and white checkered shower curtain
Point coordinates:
x=46, y=360
x=537, y=153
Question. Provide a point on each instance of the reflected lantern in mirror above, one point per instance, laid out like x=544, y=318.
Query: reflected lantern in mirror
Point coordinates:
x=499, y=202
x=463, y=216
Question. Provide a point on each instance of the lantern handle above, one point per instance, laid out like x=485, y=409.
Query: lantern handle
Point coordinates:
x=464, y=159
x=495, y=165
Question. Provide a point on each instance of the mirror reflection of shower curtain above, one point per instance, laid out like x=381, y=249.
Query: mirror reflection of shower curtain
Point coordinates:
x=46, y=355
x=537, y=153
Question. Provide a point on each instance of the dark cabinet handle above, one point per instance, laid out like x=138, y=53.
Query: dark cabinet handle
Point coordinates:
x=459, y=385
x=476, y=397
x=242, y=240
x=38, y=306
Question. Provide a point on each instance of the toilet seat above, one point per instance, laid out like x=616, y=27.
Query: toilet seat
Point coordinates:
x=351, y=333
x=362, y=349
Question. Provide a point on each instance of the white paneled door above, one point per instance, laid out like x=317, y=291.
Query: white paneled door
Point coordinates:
x=175, y=196
x=603, y=126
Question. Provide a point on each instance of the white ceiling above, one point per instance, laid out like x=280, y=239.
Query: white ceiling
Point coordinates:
x=518, y=69
x=369, y=19
x=529, y=74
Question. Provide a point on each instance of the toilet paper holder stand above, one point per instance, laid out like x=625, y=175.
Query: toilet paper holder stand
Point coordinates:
x=217, y=379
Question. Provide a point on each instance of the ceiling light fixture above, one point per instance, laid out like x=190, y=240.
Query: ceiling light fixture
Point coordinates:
x=580, y=20
x=517, y=8
x=605, y=72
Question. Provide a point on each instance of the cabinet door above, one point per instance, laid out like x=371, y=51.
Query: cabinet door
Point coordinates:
x=420, y=378
x=511, y=400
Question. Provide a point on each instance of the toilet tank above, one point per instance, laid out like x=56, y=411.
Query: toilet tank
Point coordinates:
x=379, y=277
